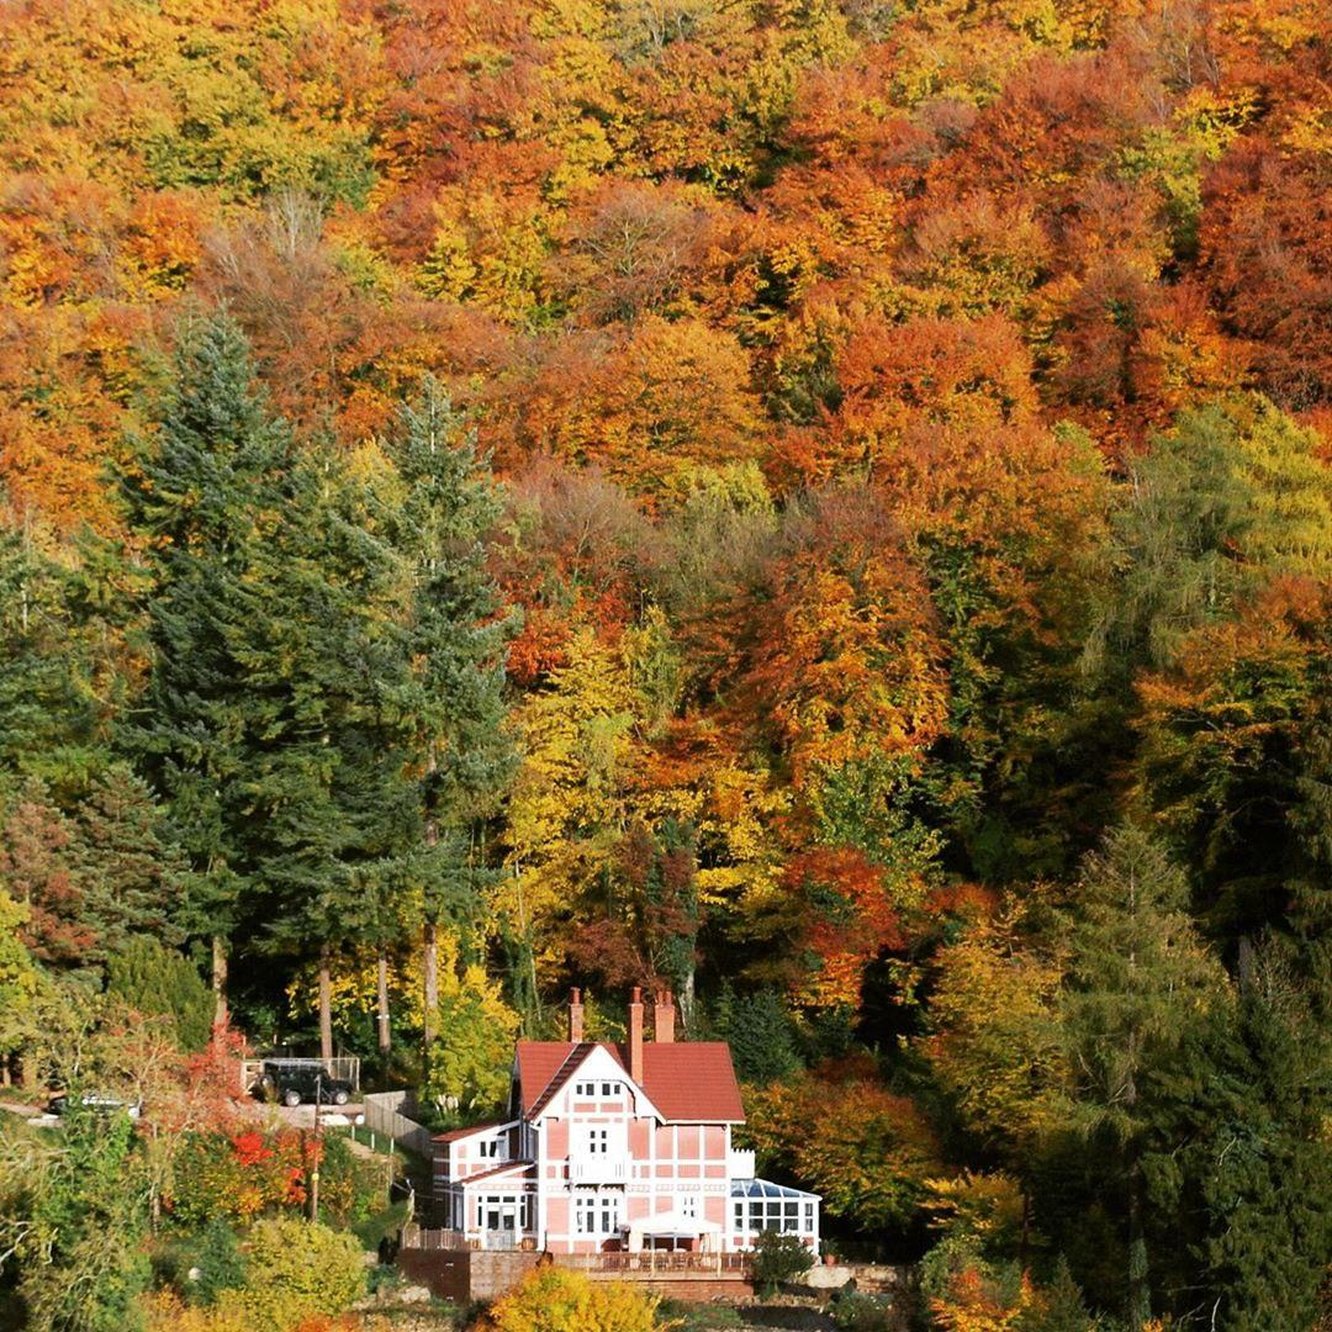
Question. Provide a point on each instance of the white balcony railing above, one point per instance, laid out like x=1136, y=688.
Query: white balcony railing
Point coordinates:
x=597, y=1170
x=742, y=1165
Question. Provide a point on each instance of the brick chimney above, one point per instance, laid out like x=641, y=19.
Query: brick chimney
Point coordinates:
x=575, y=1015
x=636, y=1035
x=663, y=1018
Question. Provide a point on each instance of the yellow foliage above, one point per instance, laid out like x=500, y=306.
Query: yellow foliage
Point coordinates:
x=996, y=1047
x=165, y=1312
x=554, y=1299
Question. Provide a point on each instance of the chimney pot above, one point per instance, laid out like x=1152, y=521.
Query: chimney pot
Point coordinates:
x=575, y=1015
x=663, y=1018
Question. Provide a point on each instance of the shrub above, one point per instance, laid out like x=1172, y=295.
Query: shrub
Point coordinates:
x=296, y=1271
x=554, y=1299
x=779, y=1257
x=853, y=1311
x=158, y=981
x=216, y=1256
x=352, y=1189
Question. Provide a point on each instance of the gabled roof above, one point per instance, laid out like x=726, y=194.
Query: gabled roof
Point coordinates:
x=549, y=1065
x=690, y=1082
x=455, y=1135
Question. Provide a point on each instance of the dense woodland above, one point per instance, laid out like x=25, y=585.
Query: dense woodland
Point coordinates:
x=823, y=505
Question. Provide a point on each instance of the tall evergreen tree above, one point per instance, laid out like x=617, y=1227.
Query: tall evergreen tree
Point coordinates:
x=331, y=771
x=457, y=634
x=1140, y=980
x=204, y=494
x=48, y=714
x=1245, y=1150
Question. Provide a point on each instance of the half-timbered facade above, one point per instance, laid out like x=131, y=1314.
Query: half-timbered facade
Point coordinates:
x=612, y=1147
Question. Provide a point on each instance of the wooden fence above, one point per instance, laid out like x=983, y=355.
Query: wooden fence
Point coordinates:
x=384, y=1114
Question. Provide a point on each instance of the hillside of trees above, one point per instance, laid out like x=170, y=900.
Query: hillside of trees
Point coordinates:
x=822, y=505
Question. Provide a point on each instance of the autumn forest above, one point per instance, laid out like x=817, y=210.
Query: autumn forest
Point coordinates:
x=821, y=505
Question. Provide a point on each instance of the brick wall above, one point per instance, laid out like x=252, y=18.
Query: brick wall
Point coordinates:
x=463, y=1275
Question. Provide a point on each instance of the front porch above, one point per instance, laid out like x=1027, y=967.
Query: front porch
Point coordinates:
x=495, y=1210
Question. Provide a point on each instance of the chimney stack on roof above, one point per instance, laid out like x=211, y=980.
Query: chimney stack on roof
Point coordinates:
x=636, y=1035
x=663, y=1018
x=575, y=1015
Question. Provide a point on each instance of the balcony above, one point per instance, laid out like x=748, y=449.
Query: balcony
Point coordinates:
x=741, y=1165
x=598, y=1170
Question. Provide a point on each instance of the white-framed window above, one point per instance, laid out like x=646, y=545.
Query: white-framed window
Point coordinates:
x=687, y=1205
x=605, y=1091
x=597, y=1141
x=774, y=1214
x=492, y=1148
x=596, y=1213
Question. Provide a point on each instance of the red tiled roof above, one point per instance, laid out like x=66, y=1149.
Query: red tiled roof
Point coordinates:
x=690, y=1082
x=468, y=1180
x=454, y=1134
x=541, y=1062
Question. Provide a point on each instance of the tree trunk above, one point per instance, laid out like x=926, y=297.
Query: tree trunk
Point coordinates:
x=430, y=969
x=219, y=983
x=1139, y=1288
x=325, y=1007
x=385, y=1037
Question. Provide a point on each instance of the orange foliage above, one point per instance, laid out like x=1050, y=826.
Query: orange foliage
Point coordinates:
x=845, y=658
x=850, y=919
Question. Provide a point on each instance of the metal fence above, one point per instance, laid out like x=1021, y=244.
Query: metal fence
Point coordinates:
x=347, y=1068
x=384, y=1114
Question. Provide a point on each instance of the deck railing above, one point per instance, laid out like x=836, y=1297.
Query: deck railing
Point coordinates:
x=662, y=1262
x=418, y=1237
x=649, y=1263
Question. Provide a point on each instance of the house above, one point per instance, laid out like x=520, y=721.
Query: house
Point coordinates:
x=615, y=1147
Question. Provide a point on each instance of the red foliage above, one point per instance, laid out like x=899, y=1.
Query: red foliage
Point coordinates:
x=849, y=919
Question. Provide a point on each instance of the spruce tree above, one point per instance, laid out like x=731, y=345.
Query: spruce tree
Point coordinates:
x=1140, y=980
x=48, y=714
x=1247, y=1148
x=330, y=771
x=203, y=495
x=457, y=636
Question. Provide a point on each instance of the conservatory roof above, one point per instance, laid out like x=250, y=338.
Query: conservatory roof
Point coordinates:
x=762, y=1188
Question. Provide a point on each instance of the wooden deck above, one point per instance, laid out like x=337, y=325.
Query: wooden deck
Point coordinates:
x=649, y=1265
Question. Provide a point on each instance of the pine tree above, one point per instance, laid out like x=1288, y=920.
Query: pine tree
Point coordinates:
x=330, y=771
x=1140, y=980
x=1244, y=1148
x=48, y=717
x=204, y=496
x=457, y=635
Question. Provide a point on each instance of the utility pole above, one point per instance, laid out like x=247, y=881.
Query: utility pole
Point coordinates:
x=318, y=1148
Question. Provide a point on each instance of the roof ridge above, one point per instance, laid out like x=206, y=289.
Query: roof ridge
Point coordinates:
x=580, y=1051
